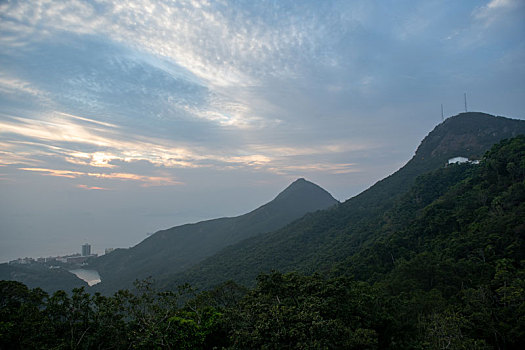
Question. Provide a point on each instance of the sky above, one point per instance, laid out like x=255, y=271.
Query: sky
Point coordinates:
x=121, y=118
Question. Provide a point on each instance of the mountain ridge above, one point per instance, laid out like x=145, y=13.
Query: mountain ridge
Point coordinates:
x=316, y=241
x=179, y=247
x=445, y=270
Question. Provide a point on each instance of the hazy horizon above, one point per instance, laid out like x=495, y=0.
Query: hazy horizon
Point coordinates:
x=118, y=119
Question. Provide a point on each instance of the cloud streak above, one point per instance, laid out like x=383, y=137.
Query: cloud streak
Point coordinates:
x=10, y=85
x=86, y=187
x=496, y=10
x=197, y=99
x=67, y=137
x=224, y=48
x=146, y=181
x=209, y=40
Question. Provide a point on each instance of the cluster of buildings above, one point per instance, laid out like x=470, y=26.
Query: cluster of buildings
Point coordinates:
x=461, y=160
x=77, y=258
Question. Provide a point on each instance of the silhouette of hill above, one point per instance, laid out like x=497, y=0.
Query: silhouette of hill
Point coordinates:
x=178, y=248
x=41, y=276
x=318, y=241
x=444, y=270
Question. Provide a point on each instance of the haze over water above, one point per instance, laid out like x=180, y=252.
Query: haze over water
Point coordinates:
x=119, y=119
x=90, y=276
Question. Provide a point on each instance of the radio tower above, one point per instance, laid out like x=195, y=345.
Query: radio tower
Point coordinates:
x=465, y=97
x=442, y=119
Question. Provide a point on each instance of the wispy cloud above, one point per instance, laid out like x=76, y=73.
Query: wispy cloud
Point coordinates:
x=225, y=48
x=146, y=180
x=87, y=143
x=212, y=84
x=86, y=187
x=213, y=41
x=55, y=128
x=221, y=95
x=326, y=168
x=496, y=10
x=59, y=173
x=110, y=143
x=15, y=85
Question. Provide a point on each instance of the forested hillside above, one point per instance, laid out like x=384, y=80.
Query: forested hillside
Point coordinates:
x=444, y=271
x=178, y=248
x=318, y=241
x=40, y=275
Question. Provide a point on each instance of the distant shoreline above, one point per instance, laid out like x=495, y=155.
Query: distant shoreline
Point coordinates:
x=91, y=277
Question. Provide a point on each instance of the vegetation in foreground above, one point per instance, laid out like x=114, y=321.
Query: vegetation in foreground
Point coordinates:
x=445, y=271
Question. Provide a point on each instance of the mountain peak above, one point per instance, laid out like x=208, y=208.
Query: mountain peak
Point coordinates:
x=302, y=189
x=300, y=183
x=178, y=248
x=468, y=134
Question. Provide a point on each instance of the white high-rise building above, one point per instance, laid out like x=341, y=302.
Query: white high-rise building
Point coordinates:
x=86, y=249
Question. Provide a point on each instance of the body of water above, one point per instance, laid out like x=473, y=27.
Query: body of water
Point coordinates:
x=90, y=276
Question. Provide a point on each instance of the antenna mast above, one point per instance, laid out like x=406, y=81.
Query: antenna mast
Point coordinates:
x=465, y=96
x=442, y=119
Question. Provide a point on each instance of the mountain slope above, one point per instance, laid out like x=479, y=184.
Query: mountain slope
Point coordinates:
x=476, y=216
x=446, y=270
x=319, y=240
x=178, y=248
x=41, y=276
x=457, y=260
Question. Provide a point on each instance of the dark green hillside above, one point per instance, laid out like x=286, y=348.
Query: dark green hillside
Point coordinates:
x=478, y=222
x=40, y=275
x=319, y=240
x=444, y=270
x=467, y=135
x=178, y=248
x=459, y=260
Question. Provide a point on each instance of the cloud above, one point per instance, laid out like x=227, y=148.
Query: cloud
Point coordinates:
x=147, y=181
x=28, y=20
x=56, y=128
x=325, y=167
x=85, y=143
x=86, y=187
x=59, y=173
x=59, y=130
x=221, y=47
x=196, y=84
x=10, y=85
x=496, y=10
x=89, y=120
x=215, y=42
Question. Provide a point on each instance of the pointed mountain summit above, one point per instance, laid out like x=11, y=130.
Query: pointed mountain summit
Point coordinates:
x=299, y=198
x=178, y=248
x=301, y=190
x=317, y=242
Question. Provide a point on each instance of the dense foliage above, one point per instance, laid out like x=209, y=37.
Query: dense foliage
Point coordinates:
x=319, y=240
x=457, y=263
x=147, y=319
x=444, y=270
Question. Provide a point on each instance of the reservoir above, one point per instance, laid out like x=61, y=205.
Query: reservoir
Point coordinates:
x=90, y=276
